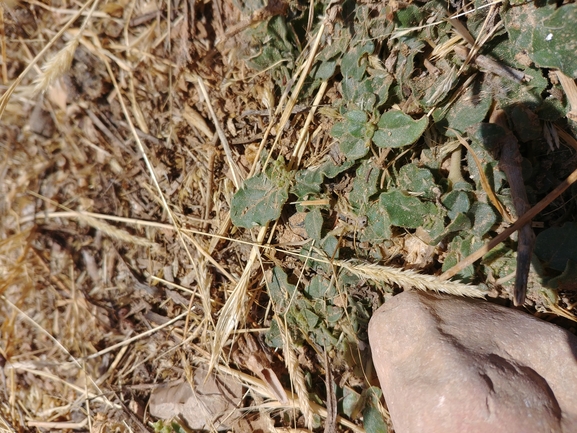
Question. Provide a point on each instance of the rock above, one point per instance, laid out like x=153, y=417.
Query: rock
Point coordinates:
x=448, y=364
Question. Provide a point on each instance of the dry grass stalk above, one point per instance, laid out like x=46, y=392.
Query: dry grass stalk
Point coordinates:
x=60, y=63
x=566, y=137
x=96, y=222
x=299, y=148
x=137, y=337
x=195, y=119
x=234, y=310
x=56, y=66
x=12, y=367
x=204, y=280
x=152, y=224
x=207, y=256
x=3, y=47
x=570, y=89
x=298, y=87
x=400, y=33
x=6, y=96
x=149, y=166
x=408, y=279
x=114, y=232
x=296, y=373
x=236, y=177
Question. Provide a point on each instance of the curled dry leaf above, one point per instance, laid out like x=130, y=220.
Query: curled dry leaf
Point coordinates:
x=251, y=355
x=210, y=405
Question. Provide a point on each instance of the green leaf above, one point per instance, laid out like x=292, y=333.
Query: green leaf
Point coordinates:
x=420, y=180
x=469, y=109
x=314, y=224
x=547, y=34
x=500, y=261
x=354, y=148
x=557, y=245
x=351, y=400
x=364, y=185
x=403, y=210
x=333, y=314
x=353, y=89
x=358, y=117
x=527, y=94
x=330, y=170
x=396, y=129
x=409, y=16
x=324, y=70
x=258, y=202
x=309, y=181
x=311, y=319
x=319, y=288
x=456, y=202
x=483, y=218
x=354, y=134
x=378, y=226
x=459, y=222
x=459, y=248
x=323, y=336
x=435, y=226
x=381, y=83
x=329, y=245
x=526, y=123
x=279, y=289
x=354, y=62
x=340, y=41
x=273, y=338
x=485, y=138
x=367, y=94
x=271, y=40
x=373, y=421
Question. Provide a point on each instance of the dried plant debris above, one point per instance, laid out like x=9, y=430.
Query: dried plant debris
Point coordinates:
x=206, y=404
x=221, y=194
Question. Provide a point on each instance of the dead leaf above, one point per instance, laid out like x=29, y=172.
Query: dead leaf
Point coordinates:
x=212, y=404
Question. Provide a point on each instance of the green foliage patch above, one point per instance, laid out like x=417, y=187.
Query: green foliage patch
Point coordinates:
x=383, y=176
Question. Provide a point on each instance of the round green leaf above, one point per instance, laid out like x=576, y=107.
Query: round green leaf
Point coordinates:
x=404, y=210
x=396, y=129
x=257, y=202
x=415, y=179
x=354, y=62
x=354, y=148
x=356, y=116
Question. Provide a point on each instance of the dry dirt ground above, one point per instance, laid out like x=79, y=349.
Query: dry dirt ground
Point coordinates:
x=117, y=153
x=122, y=144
